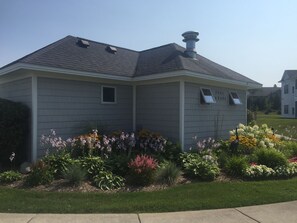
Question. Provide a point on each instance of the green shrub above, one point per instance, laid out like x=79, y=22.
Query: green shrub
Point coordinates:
x=117, y=164
x=142, y=170
x=203, y=168
x=289, y=148
x=171, y=152
x=41, y=174
x=168, y=173
x=14, y=129
x=75, y=174
x=270, y=157
x=10, y=176
x=236, y=166
x=106, y=180
x=58, y=162
x=93, y=165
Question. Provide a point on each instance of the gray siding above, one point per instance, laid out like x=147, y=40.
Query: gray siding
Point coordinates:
x=71, y=107
x=158, y=109
x=289, y=98
x=211, y=120
x=18, y=91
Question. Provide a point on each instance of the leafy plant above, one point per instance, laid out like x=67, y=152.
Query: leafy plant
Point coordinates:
x=75, y=174
x=204, y=168
x=286, y=171
x=289, y=148
x=236, y=166
x=141, y=170
x=106, y=180
x=41, y=174
x=258, y=172
x=93, y=165
x=58, y=162
x=117, y=164
x=168, y=173
x=270, y=157
x=10, y=176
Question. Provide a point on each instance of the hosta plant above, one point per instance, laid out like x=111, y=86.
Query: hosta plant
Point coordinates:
x=10, y=176
x=203, y=168
x=106, y=180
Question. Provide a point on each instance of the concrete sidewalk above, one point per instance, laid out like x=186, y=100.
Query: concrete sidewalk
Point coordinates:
x=281, y=212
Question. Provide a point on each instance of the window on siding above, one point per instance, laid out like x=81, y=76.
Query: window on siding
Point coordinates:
x=293, y=111
x=234, y=99
x=206, y=96
x=293, y=90
x=286, y=109
x=108, y=95
x=286, y=89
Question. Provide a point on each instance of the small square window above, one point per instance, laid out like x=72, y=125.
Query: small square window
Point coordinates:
x=234, y=99
x=108, y=95
x=206, y=96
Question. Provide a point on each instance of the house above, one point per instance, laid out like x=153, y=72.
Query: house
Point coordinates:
x=289, y=97
x=168, y=89
x=264, y=99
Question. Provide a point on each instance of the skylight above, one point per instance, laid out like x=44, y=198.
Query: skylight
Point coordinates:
x=234, y=98
x=206, y=96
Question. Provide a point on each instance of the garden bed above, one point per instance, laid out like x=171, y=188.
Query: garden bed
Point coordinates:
x=123, y=162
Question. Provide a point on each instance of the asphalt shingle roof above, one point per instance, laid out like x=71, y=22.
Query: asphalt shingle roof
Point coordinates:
x=68, y=54
x=289, y=74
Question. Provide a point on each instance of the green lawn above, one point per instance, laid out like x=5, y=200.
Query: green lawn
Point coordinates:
x=196, y=196
x=283, y=126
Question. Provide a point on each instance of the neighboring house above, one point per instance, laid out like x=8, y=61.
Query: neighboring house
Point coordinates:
x=289, y=97
x=264, y=99
x=168, y=89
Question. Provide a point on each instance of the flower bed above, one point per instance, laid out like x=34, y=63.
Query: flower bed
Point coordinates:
x=127, y=160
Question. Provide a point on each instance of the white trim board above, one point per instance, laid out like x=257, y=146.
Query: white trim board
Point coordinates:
x=34, y=119
x=182, y=113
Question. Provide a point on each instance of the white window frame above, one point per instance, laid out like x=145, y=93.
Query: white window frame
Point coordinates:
x=233, y=100
x=115, y=95
x=207, y=99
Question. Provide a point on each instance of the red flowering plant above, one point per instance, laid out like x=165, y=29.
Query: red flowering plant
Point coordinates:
x=293, y=160
x=142, y=170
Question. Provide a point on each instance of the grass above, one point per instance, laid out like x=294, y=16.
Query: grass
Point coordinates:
x=283, y=126
x=196, y=196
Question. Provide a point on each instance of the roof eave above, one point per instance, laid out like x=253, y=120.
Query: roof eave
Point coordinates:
x=18, y=66
x=186, y=73
x=179, y=73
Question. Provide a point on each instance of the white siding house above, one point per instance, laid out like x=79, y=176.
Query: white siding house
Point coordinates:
x=168, y=89
x=288, y=94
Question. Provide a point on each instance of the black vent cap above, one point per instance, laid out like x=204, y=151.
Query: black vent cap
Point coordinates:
x=111, y=49
x=83, y=43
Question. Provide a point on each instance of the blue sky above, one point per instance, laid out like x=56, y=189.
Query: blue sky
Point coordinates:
x=256, y=38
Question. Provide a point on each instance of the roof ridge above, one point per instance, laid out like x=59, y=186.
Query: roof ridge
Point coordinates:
x=221, y=68
x=108, y=44
x=154, y=48
x=181, y=64
x=34, y=53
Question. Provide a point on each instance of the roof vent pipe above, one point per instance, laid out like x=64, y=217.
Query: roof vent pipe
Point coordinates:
x=190, y=38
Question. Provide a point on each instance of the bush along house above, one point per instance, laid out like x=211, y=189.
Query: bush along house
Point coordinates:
x=168, y=89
